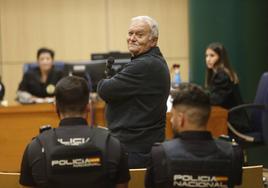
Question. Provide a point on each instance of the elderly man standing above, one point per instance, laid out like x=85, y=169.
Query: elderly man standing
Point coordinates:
x=136, y=97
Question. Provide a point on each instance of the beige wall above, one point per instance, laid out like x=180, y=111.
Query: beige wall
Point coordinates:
x=76, y=28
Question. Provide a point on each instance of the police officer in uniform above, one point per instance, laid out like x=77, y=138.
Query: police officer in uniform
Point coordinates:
x=193, y=158
x=74, y=154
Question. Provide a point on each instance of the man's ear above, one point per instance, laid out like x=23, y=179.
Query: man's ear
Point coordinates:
x=178, y=122
x=181, y=119
x=154, y=43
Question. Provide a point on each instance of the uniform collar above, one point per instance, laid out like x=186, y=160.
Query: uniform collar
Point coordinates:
x=73, y=121
x=194, y=135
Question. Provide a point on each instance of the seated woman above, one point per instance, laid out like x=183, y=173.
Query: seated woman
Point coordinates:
x=223, y=84
x=38, y=84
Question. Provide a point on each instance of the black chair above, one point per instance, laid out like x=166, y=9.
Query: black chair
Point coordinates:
x=256, y=113
x=255, y=132
x=255, y=140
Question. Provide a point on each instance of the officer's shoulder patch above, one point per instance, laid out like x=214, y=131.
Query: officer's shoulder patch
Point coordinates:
x=228, y=139
x=101, y=127
x=234, y=143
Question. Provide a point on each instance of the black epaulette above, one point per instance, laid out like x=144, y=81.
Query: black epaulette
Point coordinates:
x=44, y=128
x=234, y=143
x=228, y=139
x=225, y=138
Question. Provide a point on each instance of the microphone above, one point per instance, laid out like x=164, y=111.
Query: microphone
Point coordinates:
x=108, y=70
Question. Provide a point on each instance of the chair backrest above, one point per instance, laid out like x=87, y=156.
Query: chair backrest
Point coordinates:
x=57, y=64
x=265, y=113
x=9, y=180
x=261, y=97
x=137, y=178
x=265, y=125
x=262, y=89
x=252, y=177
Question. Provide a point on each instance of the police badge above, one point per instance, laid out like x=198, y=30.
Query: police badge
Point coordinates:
x=50, y=89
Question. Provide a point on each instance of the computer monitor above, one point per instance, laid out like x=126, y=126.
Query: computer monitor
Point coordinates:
x=94, y=69
x=115, y=54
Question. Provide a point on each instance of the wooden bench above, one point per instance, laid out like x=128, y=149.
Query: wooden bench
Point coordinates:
x=9, y=180
x=252, y=178
x=137, y=178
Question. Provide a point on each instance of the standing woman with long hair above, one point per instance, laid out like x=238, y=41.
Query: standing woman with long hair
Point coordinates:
x=223, y=85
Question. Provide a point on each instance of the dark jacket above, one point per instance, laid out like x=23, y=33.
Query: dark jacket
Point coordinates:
x=32, y=84
x=73, y=139
x=223, y=91
x=136, y=101
x=193, y=154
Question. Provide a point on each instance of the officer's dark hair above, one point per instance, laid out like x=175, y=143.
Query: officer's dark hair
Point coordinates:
x=193, y=96
x=72, y=95
x=45, y=50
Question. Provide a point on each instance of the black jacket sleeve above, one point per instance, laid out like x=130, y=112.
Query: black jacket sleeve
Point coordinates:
x=220, y=89
x=149, y=177
x=123, y=170
x=23, y=83
x=238, y=161
x=26, y=177
x=117, y=162
x=127, y=83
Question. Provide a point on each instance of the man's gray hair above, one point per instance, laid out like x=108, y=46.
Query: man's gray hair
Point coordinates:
x=151, y=22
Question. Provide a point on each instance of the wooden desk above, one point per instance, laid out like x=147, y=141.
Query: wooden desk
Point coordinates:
x=18, y=124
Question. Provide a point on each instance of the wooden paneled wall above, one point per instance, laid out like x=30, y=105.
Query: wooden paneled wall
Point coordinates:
x=77, y=28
